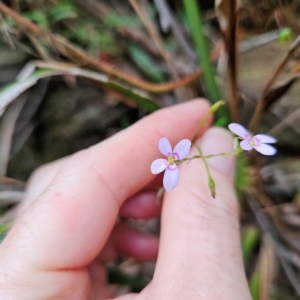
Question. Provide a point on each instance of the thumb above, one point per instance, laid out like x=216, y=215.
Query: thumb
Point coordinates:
x=200, y=243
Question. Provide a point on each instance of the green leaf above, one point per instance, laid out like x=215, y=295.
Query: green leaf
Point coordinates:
x=62, y=12
x=3, y=230
x=37, y=16
x=193, y=13
x=250, y=238
x=136, y=95
x=243, y=179
x=117, y=21
x=9, y=92
x=195, y=22
x=285, y=35
x=254, y=284
x=146, y=63
x=117, y=276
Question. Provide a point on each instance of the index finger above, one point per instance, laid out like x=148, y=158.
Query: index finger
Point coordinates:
x=69, y=223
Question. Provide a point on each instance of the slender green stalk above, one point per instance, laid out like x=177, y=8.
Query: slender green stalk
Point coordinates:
x=211, y=183
x=203, y=122
x=224, y=154
x=195, y=22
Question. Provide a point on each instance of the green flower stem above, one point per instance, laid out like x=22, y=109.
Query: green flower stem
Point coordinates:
x=224, y=154
x=203, y=122
x=211, y=183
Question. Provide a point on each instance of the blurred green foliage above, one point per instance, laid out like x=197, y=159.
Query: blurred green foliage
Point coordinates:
x=243, y=179
x=144, y=61
x=116, y=276
x=254, y=284
x=285, y=35
x=250, y=238
x=114, y=21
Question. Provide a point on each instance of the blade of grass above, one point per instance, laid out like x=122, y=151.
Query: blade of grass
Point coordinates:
x=146, y=63
x=9, y=92
x=13, y=89
x=192, y=11
x=250, y=238
x=254, y=284
x=7, y=126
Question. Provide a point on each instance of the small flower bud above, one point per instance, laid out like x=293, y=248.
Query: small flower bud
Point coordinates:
x=212, y=187
x=236, y=143
x=285, y=35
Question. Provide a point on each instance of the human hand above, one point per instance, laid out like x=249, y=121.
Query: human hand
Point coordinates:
x=66, y=230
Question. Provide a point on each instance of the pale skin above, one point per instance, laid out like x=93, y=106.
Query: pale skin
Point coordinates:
x=66, y=230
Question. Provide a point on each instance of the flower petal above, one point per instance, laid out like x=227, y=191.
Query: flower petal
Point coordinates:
x=158, y=166
x=266, y=149
x=245, y=145
x=239, y=130
x=164, y=146
x=266, y=139
x=171, y=179
x=182, y=149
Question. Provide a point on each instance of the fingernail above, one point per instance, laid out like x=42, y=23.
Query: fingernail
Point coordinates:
x=217, y=140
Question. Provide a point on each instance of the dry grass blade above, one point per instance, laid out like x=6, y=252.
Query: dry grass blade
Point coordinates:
x=287, y=236
x=266, y=269
x=278, y=90
x=289, y=121
x=8, y=217
x=27, y=79
x=12, y=183
x=7, y=126
x=11, y=91
x=226, y=11
x=288, y=258
x=164, y=9
x=261, y=105
x=258, y=41
x=275, y=93
x=10, y=197
x=26, y=124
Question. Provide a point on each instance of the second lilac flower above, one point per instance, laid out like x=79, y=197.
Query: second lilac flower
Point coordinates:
x=259, y=142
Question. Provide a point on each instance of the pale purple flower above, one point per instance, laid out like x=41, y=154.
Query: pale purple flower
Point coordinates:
x=172, y=175
x=258, y=142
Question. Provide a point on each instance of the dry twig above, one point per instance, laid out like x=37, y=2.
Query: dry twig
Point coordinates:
x=226, y=11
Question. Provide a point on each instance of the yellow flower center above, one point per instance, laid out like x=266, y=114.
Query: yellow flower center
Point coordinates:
x=171, y=159
x=253, y=143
